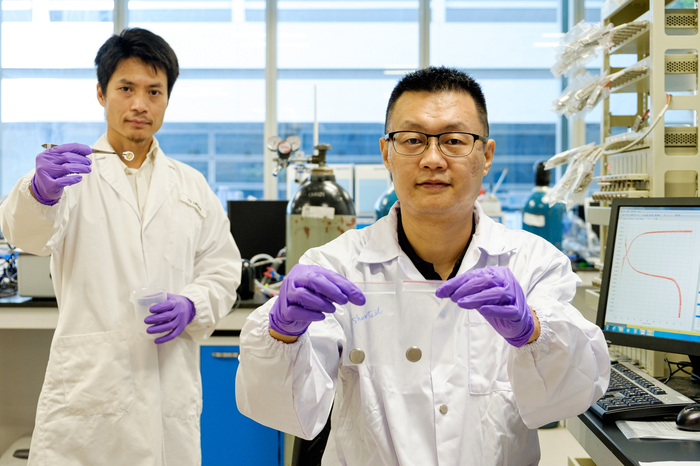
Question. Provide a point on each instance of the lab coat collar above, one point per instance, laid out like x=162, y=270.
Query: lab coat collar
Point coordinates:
x=488, y=240
x=489, y=234
x=111, y=169
x=153, y=151
x=383, y=244
x=163, y=180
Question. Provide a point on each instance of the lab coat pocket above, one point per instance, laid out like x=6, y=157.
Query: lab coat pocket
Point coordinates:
x=487, y=357
x=188, y=216
x=96, y=373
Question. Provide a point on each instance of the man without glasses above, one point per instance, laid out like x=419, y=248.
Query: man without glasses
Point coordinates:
x=113, y=226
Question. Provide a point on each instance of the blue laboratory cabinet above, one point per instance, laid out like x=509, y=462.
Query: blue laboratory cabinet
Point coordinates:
x=228, y=437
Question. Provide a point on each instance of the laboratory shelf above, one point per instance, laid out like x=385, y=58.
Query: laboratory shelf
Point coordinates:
x=634, y=79
x=635, y=36
x=666, y=162
x=680, y=75
x=633, y=39
x=627, y=11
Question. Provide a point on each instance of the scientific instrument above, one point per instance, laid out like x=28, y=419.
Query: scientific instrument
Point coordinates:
x=127, y=155
x=649, y=291
x=649, y=295
x=259, y=230
x=284, y=149
x=321, y=209
x=489, y=201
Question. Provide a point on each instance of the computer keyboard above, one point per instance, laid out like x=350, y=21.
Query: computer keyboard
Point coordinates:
x=633, y=394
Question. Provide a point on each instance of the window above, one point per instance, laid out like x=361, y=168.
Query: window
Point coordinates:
x=508, y=48
x=349, y=54
x=337, y=61
x=217, y=110
x=47, y=52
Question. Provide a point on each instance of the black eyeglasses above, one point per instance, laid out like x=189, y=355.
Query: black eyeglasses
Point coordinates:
x=453, y=144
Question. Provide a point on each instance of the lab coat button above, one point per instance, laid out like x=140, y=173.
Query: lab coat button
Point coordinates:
x=443, y=409
x=357, y=356
x=414, y=354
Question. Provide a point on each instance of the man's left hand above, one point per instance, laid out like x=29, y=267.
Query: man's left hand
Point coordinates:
x=171, y=315
x=497, y=295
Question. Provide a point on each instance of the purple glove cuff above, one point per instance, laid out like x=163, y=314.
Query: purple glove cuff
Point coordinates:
x=496, y=294
x=528, y=327
x=38, y=195
x=192, y=310
x=283, y=327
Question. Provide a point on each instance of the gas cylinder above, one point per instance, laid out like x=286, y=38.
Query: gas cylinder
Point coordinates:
x=384, y=203
x=538, y=217
x=320, y=211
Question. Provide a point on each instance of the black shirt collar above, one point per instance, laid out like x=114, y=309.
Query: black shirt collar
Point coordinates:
x=426, y=268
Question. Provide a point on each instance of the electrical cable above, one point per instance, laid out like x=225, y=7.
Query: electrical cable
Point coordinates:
x=670, y=373
x=644, y=134
x=257, y=257
x=237, y=304
x=682, y=366
x=267, y=286
x=8, y=275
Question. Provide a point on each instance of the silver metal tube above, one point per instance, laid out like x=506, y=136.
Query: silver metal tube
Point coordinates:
x=423, y=33
x=270, y=189
x=120, y=15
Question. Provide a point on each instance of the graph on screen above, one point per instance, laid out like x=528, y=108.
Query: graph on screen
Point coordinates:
x=654, y=275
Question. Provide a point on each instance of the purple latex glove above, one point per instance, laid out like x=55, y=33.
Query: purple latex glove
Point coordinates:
x=53, y=167
x=497, y=295
x=171, y=315
x=306, y=293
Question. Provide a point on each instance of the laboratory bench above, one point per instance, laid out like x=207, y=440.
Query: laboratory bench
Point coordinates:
x=26, y=329
x=607, y=445
x=604, y=442
x=19, y=312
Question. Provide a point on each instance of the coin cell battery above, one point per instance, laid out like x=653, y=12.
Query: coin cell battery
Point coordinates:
x=357, y=356
x=414, y=354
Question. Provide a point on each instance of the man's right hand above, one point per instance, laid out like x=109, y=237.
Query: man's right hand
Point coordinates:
x=53, y=167
x=307, y=292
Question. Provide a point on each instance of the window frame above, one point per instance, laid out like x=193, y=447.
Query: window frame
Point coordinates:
x=569, y=11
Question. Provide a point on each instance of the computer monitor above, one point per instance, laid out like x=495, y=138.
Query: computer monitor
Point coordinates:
x=650, y=292
x=258, y=227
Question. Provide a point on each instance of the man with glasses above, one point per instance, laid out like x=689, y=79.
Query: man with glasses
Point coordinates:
x=522, y=355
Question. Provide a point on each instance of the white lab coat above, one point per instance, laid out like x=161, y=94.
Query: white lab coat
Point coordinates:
x=110, y=396
x=496, y=395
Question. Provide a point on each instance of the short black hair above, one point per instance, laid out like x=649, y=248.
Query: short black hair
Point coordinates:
x=436, y=79
x=138, y=43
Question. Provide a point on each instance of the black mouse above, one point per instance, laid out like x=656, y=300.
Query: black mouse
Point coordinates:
x=689, y=418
